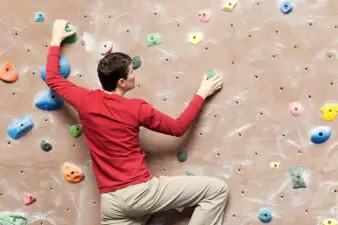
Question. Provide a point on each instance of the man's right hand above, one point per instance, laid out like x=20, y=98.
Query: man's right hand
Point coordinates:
x=210, y=86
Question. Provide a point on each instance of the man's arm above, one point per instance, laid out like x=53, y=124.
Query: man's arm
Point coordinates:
x=155, y=120
x=70, y=92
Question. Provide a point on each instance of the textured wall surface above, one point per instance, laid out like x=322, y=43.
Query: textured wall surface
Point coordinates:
x=268, y=60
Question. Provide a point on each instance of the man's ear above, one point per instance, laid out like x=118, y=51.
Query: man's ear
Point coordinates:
x=121, y=82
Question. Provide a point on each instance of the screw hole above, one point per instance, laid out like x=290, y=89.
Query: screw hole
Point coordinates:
x=242, y=192
x=206, y=48
x=127, y=31
x=256, y=153
x=232, y=25
x=310, y=24
x=309, y=96
x=33, y=73
x=233, y=62
x=281, y=88
x=249, y=35
x=9, y=142
x=201, y=134
x=46, y=120
x=331, y=83
x=218, y=154
x=74, y=145
x=240, y=134
x=13, y=93
x=176, y=77
x=155, y=13
x=234, y=215
x=21, y=171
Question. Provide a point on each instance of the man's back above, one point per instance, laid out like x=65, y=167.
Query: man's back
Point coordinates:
x=110, y=124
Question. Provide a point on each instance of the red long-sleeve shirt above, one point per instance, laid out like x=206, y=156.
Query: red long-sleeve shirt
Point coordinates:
x=111, y=125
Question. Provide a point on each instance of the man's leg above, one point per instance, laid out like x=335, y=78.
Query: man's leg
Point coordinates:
x=208, y=194
x=113, y=212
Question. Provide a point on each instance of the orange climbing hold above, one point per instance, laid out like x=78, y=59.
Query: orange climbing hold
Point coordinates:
x=72, y=173
x=28, y=199
x=8, y=72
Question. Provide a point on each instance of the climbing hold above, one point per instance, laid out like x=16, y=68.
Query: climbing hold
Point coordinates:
x=229, y=6
x=44, y=145
x=211, y=73
x=265, y=215
x=296, y=108
x=195, y=38
x=182, y=155
x=329, y=111
x=12, y=218
x=320, y=134
x=296, y=174
x=274, y=165
x=330, y=222
x=73, y=38
x=153, y=39
x=204, y=16
x=187, y=173
x=64, y=67
x=28, y=199
x=49, y=100
x=72, y=173
x=20, y=127
x=38, y=17
x=286, y=6
x=106, y=47
x=137, y=63
x=75, y=130
x=8, y=72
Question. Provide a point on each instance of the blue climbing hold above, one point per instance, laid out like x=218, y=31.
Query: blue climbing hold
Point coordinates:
x=64, y=67
x=286, y=6
x=20, y=127
x=265, y=216
x=320, y=134
x=49, y=100
x=38, y=17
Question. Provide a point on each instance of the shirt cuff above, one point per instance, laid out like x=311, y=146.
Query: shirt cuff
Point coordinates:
x=55, y=50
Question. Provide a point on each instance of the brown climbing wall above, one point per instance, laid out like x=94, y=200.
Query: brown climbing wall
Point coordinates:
x=268, y=59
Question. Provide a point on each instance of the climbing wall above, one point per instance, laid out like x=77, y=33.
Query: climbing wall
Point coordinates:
x=270, y=133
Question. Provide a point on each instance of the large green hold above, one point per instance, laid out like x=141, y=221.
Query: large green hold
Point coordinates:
x=11, y=218
x=296, y=173
x=182, y=155
x=75, y=130
x=72, y=39
x=153, y=39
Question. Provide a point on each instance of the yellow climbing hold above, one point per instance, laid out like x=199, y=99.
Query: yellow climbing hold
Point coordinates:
x=195, y=38
x=229, y=6
x=330, y=222
x=329, y=111
x=274, y=165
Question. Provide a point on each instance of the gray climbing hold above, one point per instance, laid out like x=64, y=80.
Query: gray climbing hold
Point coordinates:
x=182, y=155
x=46, y=146
x=137, y=63
x=12, y=218
x=296, y=174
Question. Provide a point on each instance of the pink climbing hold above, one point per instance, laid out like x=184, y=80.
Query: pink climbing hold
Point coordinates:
x=106, y=48
x=28, y=199
x=296, y=108
x=204, y=16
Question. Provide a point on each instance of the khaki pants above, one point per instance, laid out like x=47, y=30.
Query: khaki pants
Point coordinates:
x=134, y=205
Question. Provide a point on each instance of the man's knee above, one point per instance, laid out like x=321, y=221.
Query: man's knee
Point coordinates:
x=221, y=187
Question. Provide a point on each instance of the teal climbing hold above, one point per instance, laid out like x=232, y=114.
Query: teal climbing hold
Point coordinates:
x=73, y=38
x=265, y=215
x=38, y=17
x=45, y=146
x=137, y=63
x=153, y=39
x=64, y=67
x=297, y=178
x=11, y=218
x=187, y=173
x=182, y=155
x=210, y=73
x=75, y=130
x=49, y=100
x=20, y=127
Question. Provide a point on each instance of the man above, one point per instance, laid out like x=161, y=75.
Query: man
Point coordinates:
x=129, y=192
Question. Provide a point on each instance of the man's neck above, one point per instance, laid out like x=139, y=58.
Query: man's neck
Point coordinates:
x=116, y=92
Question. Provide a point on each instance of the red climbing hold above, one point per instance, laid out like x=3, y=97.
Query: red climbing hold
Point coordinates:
x=8, y=72
x=28, y=199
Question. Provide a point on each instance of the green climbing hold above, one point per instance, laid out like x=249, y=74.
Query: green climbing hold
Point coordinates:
x=296, y=174
x=44, y=145
x=182, y=155
x=153, y=39
x=72, y=39
x=187, y=173
x=75, y=130
x=9, y=218
x=137, y=63
x=210, y=73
